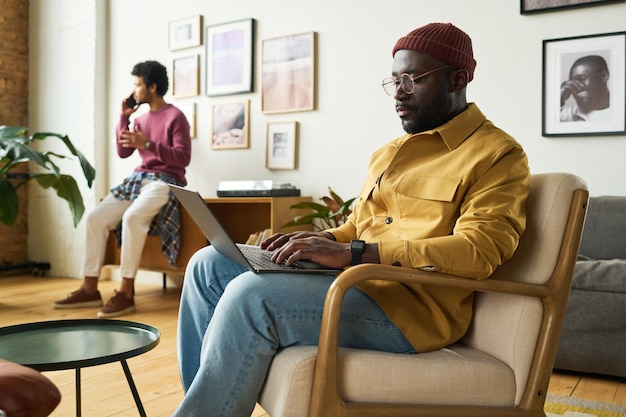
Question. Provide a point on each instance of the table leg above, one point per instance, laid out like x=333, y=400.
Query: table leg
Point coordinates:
x=78, y=401
x=133, y=388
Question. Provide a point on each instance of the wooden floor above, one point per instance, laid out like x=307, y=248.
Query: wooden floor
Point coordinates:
x=25, y=299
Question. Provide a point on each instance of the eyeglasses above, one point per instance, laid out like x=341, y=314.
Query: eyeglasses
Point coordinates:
x=406, y=82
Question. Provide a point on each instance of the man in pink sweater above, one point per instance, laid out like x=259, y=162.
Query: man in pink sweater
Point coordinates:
x=142, y=203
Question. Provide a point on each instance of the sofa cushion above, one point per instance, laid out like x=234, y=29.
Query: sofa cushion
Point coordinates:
x=593, y=336
x=605, y=228
x=600, y=275
x=25, y=392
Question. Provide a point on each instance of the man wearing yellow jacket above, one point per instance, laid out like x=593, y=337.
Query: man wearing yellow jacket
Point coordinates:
x=447, y=196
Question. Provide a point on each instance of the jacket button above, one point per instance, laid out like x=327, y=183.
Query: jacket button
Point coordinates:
x=389, y=220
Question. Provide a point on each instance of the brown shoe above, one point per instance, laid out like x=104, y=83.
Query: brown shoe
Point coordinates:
x=79, y=299
x=118, y=305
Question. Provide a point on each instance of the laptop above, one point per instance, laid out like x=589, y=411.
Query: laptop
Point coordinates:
x=252, y=257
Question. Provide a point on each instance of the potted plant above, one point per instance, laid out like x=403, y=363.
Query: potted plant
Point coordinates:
x=15, y=150
x=331, y=214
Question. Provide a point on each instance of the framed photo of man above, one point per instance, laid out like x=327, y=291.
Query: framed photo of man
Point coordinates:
x=584, y=85
x=540, y=6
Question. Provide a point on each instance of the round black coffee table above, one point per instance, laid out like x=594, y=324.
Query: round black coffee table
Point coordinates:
x=75, y=344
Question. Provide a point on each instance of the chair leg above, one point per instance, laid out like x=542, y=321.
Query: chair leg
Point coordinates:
x=164, y=281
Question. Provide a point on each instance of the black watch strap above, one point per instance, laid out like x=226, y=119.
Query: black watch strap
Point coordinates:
x=357, y=247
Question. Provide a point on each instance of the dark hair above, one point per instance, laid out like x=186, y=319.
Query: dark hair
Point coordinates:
x=152, y=72
x=597, y=62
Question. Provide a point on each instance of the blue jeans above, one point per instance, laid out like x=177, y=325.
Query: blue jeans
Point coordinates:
x=232, y=322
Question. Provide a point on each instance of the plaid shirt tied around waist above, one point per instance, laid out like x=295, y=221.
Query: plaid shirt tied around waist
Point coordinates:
x=166, y=223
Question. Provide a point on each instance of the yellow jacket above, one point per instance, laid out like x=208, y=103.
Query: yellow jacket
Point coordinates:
x=452, y=200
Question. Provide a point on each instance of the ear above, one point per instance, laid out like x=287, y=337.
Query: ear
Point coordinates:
x=153, y=88
x=460, y=78
x=605, y=76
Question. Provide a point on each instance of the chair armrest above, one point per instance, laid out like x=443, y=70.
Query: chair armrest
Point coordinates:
x=365, y=272
x=329, y=333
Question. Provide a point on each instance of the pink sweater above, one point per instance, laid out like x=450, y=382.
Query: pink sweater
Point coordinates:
x=170, y=144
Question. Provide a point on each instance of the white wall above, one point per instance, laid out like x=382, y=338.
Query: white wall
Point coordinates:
x=82, y=53
x=67, y=78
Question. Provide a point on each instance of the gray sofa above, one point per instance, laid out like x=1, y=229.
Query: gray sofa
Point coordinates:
x=593, y=339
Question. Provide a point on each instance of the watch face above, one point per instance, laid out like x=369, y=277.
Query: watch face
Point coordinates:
x=357, y=245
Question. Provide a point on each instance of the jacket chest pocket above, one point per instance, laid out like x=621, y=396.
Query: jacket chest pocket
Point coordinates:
x=432, y=197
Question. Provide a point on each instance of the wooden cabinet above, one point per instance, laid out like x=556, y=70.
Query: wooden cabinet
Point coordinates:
x=240, y=216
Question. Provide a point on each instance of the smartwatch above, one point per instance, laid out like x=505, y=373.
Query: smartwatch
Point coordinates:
x=357, y=247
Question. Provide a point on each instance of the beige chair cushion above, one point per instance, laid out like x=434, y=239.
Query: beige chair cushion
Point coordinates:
x=436, y=377
x=504, y=326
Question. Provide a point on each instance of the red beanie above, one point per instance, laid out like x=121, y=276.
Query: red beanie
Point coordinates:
x=444, y=41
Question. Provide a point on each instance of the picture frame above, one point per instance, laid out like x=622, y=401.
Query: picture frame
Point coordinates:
x=288, y=73
x=186, y=76
x=229, y=56
x=185, y=33
x=540, y=6
x=584, y=85
x=189, y=110
x=281, y=144
x=230, y=127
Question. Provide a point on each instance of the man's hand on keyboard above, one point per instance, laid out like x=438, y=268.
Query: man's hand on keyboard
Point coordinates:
x=309, y=246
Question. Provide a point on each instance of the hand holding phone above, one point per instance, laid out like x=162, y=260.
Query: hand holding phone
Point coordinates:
x=130, y=101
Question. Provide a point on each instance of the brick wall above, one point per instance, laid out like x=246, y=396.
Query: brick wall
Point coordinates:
x=14, y=111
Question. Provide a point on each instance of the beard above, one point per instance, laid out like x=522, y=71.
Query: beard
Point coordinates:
x=430, y=116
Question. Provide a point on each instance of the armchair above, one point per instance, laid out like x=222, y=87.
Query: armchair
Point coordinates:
x=501, y=367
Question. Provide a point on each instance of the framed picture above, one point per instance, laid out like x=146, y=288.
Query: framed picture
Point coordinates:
x=229, y=125
x=189, y=109
x=185, y=33
x=539, y=6
x=186, y=78
x=288, y=73
x=280, y=152
x=584, y=87
x=229, y=55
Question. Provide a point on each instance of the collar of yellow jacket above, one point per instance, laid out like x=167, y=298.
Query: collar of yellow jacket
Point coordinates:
x=455, y=131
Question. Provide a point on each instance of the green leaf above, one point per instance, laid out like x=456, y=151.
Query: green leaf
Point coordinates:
x=15, y=149
x=9, y=203
x=327, y=215
x=310, y=205
x=345, y=207
x=335, y=196
x=88, y=169
x=67, y=189
x=331, y=204
x=12, y=132
x=21, y=152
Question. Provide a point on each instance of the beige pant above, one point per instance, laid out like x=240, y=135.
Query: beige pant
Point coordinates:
x=136, y=217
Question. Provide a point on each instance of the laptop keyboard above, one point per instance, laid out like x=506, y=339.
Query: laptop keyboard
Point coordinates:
x=260, y=258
